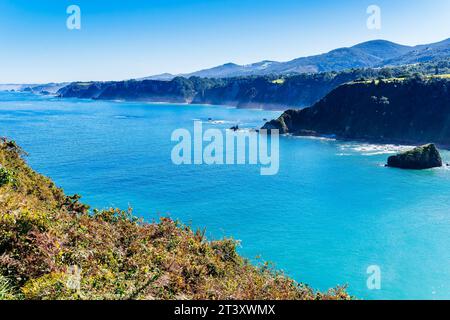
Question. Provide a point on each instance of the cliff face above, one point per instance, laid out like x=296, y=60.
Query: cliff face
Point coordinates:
x=413, y=110
x=268, y=92
x=265, y=92
x=177, y=90
x=52, y=247
x=272, y=92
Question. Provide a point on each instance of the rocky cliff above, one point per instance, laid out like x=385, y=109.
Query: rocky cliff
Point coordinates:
x=265, y=92
x=414, y=110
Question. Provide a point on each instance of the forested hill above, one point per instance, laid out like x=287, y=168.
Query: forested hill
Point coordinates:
x=267, y=92
x=415, y=110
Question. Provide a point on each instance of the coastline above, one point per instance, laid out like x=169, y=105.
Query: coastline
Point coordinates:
x=155, y=102
x=319, y=195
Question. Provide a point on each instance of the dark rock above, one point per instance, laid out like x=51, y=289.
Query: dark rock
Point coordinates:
x=278, y=124
x=423, y=157
x=235, y=128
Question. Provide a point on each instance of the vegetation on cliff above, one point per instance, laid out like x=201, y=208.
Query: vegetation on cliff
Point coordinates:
x=267, y=92
x=53, y=247
x=422, y=157
x=412, y=110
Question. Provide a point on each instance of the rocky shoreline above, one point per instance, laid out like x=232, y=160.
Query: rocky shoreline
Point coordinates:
x=413, y=111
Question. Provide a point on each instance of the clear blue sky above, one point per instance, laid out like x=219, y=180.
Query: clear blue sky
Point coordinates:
x=134, y=38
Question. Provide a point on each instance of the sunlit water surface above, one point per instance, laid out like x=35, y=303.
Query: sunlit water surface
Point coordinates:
x=332, y=211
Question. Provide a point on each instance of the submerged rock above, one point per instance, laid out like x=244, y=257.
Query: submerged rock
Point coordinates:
x=423, y=157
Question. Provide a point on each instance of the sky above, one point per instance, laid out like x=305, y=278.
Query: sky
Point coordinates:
x=123, y=39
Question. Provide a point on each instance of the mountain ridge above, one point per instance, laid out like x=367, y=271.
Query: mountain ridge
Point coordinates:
x=369, y=54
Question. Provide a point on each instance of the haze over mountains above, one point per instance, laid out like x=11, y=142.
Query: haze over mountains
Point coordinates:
x=376, y=53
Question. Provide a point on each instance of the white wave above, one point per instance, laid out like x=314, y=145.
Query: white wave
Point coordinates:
x=343, y=154
x=367, y=149
x=221, y=122
x=311, y=137
x=242, y=130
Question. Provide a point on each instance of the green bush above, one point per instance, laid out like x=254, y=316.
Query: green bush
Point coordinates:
x=5, y=176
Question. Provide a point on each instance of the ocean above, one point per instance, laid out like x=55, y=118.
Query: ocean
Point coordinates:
x=331, y=213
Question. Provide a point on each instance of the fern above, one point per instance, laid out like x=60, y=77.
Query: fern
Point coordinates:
x=6, y=292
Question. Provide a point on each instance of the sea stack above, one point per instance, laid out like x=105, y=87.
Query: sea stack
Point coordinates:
x=423, y=157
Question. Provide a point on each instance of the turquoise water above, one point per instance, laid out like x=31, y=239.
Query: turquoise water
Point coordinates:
x=332, y=210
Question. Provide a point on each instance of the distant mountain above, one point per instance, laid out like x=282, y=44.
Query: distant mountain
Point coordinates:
x=414, y=110
x=230, y=70
x=376, y=53
x=11, y=87
x=382, y=49
x=422, y=53
x=162, y=76
x=48, y=88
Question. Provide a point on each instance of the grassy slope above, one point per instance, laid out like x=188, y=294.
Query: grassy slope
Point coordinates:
x=45, y=234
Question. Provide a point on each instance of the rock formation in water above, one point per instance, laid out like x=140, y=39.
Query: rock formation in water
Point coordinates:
x=423, y=157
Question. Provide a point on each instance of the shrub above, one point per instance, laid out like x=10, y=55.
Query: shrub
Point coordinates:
x=6, y=176
x=52, y=247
